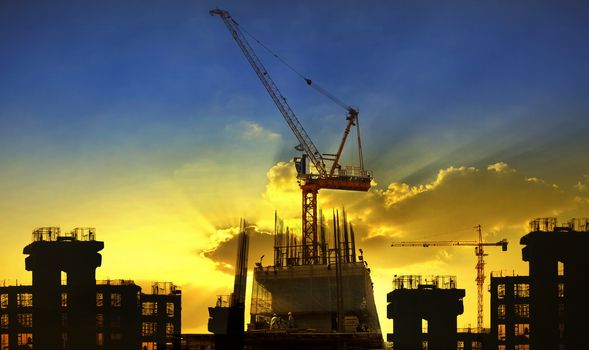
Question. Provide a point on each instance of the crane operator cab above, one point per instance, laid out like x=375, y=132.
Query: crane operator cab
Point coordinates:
x=301, y=165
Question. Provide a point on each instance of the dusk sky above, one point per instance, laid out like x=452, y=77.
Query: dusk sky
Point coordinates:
x=144, y=119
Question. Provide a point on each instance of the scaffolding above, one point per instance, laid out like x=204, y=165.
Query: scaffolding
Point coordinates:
x=51, y=234
x=288, y=250
x=550, y=224
x=164, y=288
x=420, y=282
x=46, y=234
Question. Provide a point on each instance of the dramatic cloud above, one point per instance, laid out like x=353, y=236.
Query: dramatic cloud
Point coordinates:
x=282, y=191
x=223, y=251
x=497, y=197
x=447, y=208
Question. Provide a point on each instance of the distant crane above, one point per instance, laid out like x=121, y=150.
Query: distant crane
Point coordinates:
x=328, y=176
x=479, y=252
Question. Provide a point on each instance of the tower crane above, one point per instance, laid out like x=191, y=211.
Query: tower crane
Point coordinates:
x=480, y=266
x=328, y=174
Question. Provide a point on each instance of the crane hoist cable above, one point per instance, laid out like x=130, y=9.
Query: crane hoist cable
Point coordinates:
x=307, y=80
x=352, y=111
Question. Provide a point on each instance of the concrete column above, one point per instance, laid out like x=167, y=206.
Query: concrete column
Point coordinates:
x=576, y=303
x=80, y=262
x=442, y=331
x=407, y=331
x=46, y=300
x=543, y=301
x=82, y=307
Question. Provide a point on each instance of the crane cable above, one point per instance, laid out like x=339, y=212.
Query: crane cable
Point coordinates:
x=309, y=82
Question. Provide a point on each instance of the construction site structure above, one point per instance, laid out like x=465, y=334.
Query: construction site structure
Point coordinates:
x=226, y=318
x=424, y=310
x=558, y=265
x=480, y=266
x=75, y=253
x=331, y=302
x=57, y=314
x=328, y=172
x=318, y=286
x=510, y=310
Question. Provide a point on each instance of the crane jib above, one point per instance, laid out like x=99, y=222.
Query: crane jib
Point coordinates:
x=270, y=86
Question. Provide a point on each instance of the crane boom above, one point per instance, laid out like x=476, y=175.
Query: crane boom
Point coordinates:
x=502, y=243
x=280, y=101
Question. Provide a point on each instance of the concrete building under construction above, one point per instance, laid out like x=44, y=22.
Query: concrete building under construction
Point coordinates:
x=424, y=311
x=328, y=298
x=558, y=265
x=510, y=311
x=80, y=312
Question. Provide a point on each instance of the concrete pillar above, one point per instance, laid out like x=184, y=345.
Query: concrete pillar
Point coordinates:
x=442, y=331
x=407, y=331
x=82, y=307
x=576, y=303
x=46, y=297
x=543, y=299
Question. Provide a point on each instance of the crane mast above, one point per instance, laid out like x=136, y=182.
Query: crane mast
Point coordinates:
x=350, y=178
x=480, y=266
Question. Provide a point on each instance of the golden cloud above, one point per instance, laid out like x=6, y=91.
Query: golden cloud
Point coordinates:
x=497, y=197
x=224, y=252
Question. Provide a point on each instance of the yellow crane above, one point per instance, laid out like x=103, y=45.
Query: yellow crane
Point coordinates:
x=329, y=173
x=480, y=267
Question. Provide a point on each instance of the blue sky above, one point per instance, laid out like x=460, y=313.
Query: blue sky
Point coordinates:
x=129, y=101
x=458, y=72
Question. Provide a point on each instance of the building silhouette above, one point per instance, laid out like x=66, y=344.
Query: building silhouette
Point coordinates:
x=83, y=313
x=544, y=309
x=558, y=264
x=510, y=311
x=424, y=311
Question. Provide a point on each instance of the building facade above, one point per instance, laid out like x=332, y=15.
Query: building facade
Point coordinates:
x=161, y=316
x=125, y=317
x=510, y=311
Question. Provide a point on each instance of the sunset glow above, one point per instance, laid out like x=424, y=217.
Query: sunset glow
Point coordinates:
x=143, y=119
